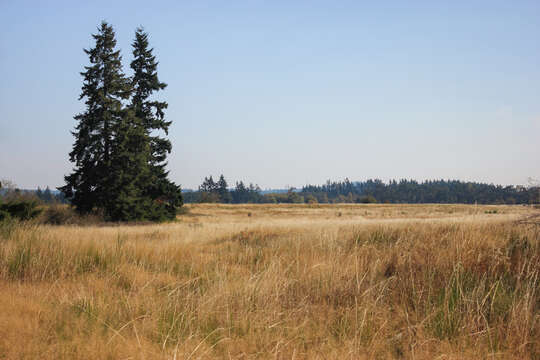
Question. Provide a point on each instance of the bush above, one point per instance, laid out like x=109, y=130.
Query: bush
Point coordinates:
x=66, y=215
x=368, y=199
x=20, y=209
x=59, y=215
x=310, y=199
x=4, y=215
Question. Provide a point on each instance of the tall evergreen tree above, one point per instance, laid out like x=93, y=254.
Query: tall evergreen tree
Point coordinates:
x=131, y=176
x=145, y=82
x=104, y=88
x=119, y=159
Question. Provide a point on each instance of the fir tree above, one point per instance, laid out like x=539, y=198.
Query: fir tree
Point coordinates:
x=145, y=82
x=208, y=191
x=104, y=88
x=129, y=173
x=224, y=194
x=39, y=193
x=208, y=185
x=119, y=160
x=47, y=195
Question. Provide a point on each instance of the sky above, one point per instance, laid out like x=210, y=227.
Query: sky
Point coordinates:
x=285, y=93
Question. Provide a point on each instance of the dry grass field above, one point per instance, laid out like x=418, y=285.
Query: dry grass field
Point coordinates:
x=277, y=281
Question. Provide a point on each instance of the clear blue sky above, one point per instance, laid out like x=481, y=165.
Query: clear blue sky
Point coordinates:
x=289, y=92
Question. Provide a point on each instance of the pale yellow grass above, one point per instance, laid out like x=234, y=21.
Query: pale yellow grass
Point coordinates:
x=277, y=281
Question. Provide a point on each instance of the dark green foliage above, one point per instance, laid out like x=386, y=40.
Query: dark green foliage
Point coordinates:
x=209, y=191
x=218, y=192
x=213, y=192
x=145, y=82
x=17, y=205
x=368, y=199
x=410, y=191
x=163, y=196
x=48, y=197
x=224, y=194
x=129, y=172
x=293, y=197
x=371, y=191
x=21, y=209
x=104, y=88
x=119, y=161
x=191, y=197
x=4, y=214
x=246, y=194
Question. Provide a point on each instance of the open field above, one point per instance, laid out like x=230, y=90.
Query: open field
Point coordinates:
x=278, y=281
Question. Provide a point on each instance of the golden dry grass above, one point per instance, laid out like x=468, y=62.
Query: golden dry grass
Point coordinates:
x=277, y=281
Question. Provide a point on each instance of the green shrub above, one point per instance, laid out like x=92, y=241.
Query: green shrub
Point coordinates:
x=66, y=215
x=4, y=215
x=368, y=199
x=59, y=215
x=20, y=209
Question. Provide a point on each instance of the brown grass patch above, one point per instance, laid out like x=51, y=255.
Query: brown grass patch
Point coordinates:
x=289, y=281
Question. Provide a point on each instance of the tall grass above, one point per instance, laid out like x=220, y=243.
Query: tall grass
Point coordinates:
x=285, y=282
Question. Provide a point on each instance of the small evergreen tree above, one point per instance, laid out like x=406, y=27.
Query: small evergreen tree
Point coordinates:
x=48, y=196
x=209, y=191
x=208, y=185
x=39, y=193
x=240, y=193
x=224, y=194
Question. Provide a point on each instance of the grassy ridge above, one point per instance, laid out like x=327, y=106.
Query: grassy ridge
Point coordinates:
x=277, y=281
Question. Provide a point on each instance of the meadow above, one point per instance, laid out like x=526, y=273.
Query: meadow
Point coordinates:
x=277, y=282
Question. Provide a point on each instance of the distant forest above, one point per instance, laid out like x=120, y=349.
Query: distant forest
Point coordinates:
x=370, y=191
x=46, y=196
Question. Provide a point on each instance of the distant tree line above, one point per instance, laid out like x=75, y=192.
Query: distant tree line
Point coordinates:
x=370, y=191
x=49, y=197
x=10, y=191
x=429, y=191
x=211, y=191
